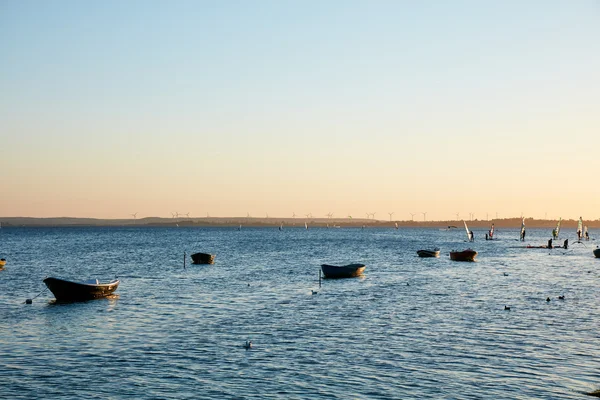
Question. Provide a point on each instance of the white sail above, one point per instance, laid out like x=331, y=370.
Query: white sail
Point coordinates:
x=556, y=231
x=492, y=232
x=579, y=228
x=522, y=228
x=467, y=229
x=305, y=225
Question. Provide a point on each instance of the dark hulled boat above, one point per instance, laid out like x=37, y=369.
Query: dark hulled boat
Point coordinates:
x=597, y=252
x=344, y=271
x=80, y=291
x=465, y=255
x=2, y=262
x=203, y=258
x=429, y=253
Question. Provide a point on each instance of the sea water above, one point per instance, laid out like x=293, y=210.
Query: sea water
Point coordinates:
x=409, y=328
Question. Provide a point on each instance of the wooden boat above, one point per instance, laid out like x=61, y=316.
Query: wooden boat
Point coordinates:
x=465, y=255
x=344, y=271
x=2, y=262
x=203, y=258
x=80, y=291
x=429, y=253
x=597, y=252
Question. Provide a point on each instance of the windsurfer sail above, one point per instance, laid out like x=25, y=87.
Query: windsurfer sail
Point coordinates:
x=579, y=229
x=556, y=231
x=469, y=233
x=523, y=229
x=491, y=233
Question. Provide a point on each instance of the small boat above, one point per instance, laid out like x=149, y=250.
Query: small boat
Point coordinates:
x=203, y=258
x=429, y=253
x=344, y=271
x=2, y=262
x=80, y=291
x=597, y=252
x=465, y=255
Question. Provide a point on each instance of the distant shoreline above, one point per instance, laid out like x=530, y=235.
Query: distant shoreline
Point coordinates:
x=515, y=223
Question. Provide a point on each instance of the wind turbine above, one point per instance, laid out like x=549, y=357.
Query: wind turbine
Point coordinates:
x=424, y=216
x=391, y=213
x=267, y=214
x=307, y=215
x=373, y=215
x=134, y=215
x=367, y=215
x=329, y=215
x=412, y=216
x=187, y=214
x=457, y=216
x=293, y=215
x=207, y=215
x=248, y=215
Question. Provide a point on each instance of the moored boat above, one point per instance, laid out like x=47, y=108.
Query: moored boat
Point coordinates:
x=2, y=262
x=429, y=253
x=465, y=255
x=65, y=290
x=597, y=252
x=343, y=271
x=203, y=258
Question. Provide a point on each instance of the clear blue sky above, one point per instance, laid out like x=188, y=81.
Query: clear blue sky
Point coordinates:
x=228, y=107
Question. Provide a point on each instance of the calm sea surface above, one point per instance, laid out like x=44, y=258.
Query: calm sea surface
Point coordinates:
x=410, y=328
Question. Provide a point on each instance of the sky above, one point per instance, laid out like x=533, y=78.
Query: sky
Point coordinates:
x=278, y=107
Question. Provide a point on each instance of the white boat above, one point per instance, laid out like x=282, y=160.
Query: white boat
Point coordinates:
x=556, y=231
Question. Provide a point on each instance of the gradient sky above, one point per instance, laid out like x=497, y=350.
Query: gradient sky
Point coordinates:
x=109, y=108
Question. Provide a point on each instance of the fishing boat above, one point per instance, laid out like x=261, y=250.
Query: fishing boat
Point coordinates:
x=203, y=258
x=597, y=252
x=465, y=255
x=429, y=253
x=344, y=271
x=556, y=231
x=65, y=290
x=2, y=262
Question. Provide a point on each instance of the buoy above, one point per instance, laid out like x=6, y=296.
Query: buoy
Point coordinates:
x=548, y=299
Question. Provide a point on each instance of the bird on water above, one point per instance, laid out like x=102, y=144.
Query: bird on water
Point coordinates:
x=248, y=344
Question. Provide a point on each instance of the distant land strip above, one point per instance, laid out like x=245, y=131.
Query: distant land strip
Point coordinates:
x=6, y=222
